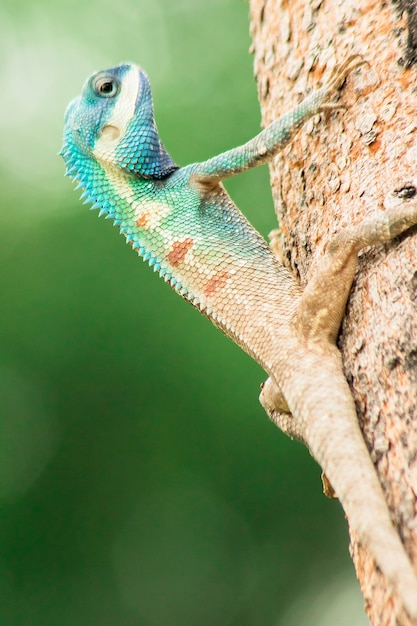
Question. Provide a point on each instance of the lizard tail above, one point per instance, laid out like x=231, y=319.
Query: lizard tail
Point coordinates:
x=325, y=416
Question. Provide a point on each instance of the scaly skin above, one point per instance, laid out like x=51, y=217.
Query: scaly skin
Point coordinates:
x=182, y=221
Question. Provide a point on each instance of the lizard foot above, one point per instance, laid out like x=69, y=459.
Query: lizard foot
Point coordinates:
x=339, y=74
x=276, y=407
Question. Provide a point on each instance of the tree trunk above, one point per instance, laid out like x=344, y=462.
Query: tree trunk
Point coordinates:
x=337, y=171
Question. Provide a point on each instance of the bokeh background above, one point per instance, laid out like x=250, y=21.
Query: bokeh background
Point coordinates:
x=141, y=483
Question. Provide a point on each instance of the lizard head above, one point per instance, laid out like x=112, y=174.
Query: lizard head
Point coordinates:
x=112, y=122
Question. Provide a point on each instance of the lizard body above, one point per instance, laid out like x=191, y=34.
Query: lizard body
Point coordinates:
x=182, y=221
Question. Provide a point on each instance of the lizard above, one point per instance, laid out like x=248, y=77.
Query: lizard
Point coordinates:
x=183, y=222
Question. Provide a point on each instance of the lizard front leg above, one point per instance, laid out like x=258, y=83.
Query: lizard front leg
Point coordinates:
x=277, y=135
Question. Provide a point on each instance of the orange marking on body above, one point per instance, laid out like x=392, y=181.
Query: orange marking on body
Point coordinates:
x=179, y=250
x=216, y=282
x=142, y=220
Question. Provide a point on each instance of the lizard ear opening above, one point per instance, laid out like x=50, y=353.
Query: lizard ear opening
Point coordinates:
x=140, y=151
x=110, y=133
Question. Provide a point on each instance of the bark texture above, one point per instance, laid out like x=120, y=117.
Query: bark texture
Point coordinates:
x=337, y=171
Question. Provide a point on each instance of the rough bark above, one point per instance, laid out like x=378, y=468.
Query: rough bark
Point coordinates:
x=336, y=172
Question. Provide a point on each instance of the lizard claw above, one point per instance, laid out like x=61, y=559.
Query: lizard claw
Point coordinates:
x=331, y=106
x=340, y=73
x=327, y=487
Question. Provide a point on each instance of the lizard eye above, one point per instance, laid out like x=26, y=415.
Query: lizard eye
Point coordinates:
x=105, y=86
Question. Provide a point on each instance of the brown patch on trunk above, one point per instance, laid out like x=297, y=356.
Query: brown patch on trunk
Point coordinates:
x=179, y=250
x=216, y=282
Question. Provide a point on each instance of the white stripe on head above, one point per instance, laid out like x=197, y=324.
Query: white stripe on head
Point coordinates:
x=115, y=128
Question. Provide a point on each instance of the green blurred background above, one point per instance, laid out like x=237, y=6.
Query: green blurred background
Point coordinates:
x=141, y=483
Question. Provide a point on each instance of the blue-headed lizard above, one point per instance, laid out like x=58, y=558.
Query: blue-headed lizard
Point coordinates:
x=182, y=221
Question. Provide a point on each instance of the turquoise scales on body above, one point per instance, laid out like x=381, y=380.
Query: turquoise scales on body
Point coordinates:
x=183, y=222
x=180, y=220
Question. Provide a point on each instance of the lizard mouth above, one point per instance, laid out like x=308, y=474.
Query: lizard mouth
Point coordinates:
x=144, y=96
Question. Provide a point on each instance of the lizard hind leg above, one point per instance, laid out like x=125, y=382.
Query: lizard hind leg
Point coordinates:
x=324, y=298
x=276, y=407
